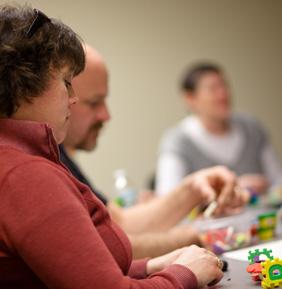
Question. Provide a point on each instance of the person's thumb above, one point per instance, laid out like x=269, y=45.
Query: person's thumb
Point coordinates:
x=208, y=192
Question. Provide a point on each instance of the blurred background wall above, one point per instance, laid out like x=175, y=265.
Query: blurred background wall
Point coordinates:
x=147, y=44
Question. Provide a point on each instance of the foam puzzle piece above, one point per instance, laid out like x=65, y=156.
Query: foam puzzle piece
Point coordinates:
x=272, y=273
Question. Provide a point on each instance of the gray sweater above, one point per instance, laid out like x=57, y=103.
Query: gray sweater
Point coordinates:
x=177, y=142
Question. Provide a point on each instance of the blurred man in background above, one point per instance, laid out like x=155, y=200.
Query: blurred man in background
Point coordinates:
x=213, y=135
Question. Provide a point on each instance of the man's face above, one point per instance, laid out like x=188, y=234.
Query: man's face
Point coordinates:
x=91, y=111
x=211, y=98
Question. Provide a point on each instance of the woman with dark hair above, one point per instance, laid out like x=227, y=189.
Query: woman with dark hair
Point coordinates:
x=54, y=233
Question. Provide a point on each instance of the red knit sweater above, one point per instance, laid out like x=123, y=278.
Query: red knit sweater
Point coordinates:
x=54, y=233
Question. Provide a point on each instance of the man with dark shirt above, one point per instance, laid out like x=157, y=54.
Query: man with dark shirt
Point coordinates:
x=75, y=170
x=149, y=225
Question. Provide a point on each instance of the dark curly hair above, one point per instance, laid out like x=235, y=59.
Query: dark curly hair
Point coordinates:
x=28, y=57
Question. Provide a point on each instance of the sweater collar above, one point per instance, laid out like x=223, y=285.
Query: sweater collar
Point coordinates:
x=30, y=137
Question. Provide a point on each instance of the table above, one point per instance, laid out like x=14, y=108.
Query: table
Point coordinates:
x=236, y=277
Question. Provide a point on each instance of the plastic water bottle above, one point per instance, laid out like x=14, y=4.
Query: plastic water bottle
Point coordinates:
x=124, y=193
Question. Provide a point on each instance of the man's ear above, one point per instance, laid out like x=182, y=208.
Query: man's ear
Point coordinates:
x=189, y=100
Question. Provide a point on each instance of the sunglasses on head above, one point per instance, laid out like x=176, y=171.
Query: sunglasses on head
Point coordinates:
x=39, y=20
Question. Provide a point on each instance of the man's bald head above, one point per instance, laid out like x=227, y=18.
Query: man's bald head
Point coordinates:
x=91, y=112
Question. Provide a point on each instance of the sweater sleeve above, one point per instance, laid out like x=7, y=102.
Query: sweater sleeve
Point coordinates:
x=48, y=225
x=138, y=269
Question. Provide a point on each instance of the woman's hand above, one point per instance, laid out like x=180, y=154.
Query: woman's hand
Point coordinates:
x=203, y=263
x=157, y=264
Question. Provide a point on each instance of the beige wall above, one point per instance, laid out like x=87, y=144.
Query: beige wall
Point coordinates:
x=147, y=44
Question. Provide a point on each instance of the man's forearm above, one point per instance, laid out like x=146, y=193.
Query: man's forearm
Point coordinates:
x=159, y=214
x=157, y=244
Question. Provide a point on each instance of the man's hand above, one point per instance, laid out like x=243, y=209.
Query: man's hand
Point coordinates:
x=255, y=182
x=217, y=183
